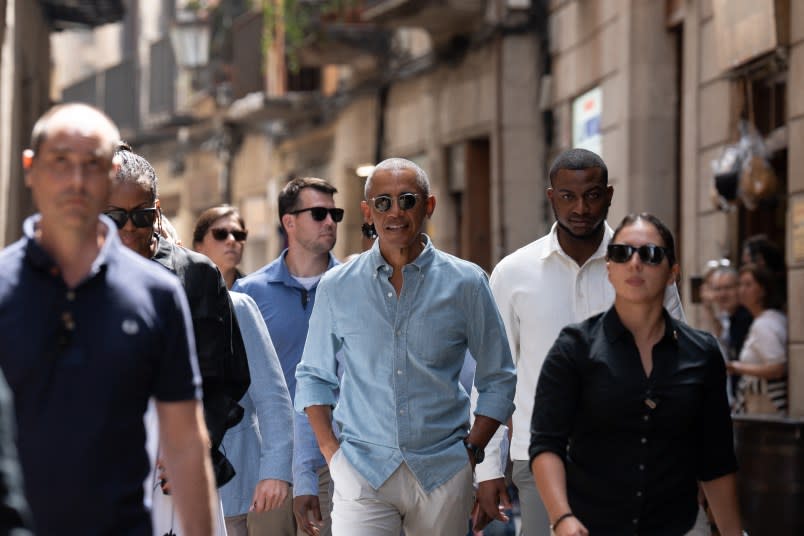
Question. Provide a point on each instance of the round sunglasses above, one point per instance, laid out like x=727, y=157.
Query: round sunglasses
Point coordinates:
x=221, y=233
x=406, y=201
x=320, y=213
x=648, y=254
x=140, y=217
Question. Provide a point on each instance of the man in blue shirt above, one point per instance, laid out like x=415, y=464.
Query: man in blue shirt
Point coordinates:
x=88, y=332
x=285, y=291
x=402, y=316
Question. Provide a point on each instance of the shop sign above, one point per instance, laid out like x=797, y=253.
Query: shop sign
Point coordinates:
x=586, y=113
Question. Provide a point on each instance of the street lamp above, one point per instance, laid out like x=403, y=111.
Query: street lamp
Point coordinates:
x=189, y=36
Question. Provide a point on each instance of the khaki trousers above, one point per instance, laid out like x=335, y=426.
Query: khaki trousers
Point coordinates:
x=400, y=503
x=282, y=522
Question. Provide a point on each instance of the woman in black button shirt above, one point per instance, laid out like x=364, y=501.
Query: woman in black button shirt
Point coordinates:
x=631, y=410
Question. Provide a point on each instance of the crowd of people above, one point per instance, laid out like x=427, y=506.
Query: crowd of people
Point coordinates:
x=744, y=309
x=325, y=398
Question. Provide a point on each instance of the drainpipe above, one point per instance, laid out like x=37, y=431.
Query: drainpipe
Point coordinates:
x=382, y=104
x=502, y=247
x=540, y=12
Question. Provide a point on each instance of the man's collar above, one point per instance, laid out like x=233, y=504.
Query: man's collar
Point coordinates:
x=555, y=247
x=278, y=272
x=40, y=258
x=420, y=262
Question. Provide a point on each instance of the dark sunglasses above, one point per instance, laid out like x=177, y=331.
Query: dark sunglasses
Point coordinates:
x=140, y=217
x=649, y=253
x=320, y=213
x=406, y=201
x=220, y=234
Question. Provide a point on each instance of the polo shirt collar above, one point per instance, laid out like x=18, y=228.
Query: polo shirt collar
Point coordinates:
x=614, y=328
x=39, y=258
x=555, y=248
x=278, y=271
x=424, y=259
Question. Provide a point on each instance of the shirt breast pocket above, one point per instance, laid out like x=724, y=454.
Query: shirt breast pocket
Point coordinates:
x=434, y=340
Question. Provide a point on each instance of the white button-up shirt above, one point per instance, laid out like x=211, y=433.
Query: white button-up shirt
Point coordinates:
x=539, y=289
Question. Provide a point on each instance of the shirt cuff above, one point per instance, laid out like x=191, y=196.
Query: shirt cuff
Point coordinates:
x=493, y=465
x=305, y=483
x=494, y=406
x=275, y=470
x=310, y=392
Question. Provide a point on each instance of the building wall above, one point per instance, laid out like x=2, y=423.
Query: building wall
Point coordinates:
x=76, y=53
x=492, y=94
x=708, y=125
x=705, y=131
x=622, y=47
x=24, y=87
x=795, y=126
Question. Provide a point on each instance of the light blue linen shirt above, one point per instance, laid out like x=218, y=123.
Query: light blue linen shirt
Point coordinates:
x=400, y=396
x=286, y=306
x=260, y=446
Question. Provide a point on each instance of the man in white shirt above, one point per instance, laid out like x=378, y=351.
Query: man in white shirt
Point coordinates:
x=557, y=280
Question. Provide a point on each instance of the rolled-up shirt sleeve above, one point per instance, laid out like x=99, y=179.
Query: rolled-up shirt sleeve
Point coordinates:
x=495, y=378
x=557, y=394
x=317, y=372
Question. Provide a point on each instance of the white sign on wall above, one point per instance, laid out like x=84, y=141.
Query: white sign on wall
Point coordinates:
x=586, y=112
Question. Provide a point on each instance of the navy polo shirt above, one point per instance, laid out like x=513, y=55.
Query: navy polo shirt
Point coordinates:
x=82, y=363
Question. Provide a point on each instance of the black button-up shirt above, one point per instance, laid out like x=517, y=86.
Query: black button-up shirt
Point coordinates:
x=633, y=445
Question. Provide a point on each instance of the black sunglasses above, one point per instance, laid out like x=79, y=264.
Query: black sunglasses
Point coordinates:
x=649, y=253
x=406, y=201
x=221, y=233
x=320, y=213
x=140, y=217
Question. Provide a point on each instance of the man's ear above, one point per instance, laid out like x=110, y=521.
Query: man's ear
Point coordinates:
x=366, y=210
x=550, y=193
x=27, y=159
x=116, y=163
x=288, y=221
x=27, y=162
x=431, y=204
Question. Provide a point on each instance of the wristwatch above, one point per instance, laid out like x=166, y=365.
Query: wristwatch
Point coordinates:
x=478, y=453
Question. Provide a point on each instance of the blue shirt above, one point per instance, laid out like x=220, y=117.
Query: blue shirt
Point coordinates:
x=400, y=396
x=286, y=307
x=259, y=446
x=82, y=363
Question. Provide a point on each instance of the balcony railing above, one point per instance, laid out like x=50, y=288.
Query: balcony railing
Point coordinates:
x=121, y=95
x=115, y=91
x=162, y=82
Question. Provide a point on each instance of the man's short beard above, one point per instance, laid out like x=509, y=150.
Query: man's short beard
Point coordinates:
x=594, y=234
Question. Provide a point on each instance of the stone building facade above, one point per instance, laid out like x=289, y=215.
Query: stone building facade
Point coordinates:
x=483, y=94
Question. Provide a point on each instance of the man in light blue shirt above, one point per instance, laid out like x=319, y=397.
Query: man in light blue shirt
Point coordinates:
x=285, y=291
x=400, y=317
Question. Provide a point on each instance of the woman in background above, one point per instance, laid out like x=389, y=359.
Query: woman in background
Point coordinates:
x=220, y=234
x=257, y=500
x=763, y=359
